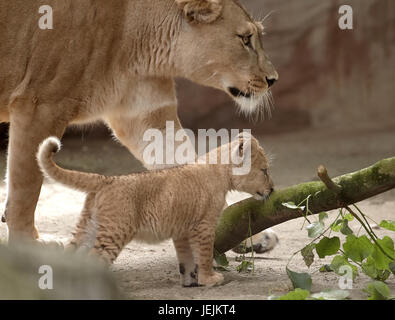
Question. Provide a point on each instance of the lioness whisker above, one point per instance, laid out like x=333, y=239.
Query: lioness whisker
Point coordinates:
x=266, y=16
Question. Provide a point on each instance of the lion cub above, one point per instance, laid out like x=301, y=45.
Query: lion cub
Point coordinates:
x=181, y=203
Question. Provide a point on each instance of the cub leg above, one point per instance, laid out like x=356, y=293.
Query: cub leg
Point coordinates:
x=106, y=246
x=114, y=231
x=202, y=243
x=85, y=231
x=187, y=265
x=30, y=125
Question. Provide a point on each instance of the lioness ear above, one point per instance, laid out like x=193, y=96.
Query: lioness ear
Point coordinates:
x=203, y=11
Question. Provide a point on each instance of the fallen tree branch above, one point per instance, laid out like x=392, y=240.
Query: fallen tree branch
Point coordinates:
x=235, y=221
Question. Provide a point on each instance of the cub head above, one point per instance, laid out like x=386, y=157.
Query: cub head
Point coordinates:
x=220, y=45
x=257, y=180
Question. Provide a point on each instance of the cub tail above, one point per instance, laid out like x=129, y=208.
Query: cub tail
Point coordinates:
x=86, y=182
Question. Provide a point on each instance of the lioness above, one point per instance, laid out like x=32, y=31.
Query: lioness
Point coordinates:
x=181, y=203
x=114, y=61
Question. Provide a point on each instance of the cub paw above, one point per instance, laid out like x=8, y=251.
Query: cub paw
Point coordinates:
x=189, y=276
x=213, y=279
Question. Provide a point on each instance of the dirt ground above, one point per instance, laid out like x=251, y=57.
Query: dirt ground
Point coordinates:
x=151, y=272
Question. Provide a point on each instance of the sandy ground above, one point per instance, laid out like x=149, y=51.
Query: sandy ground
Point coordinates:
x=151, y=272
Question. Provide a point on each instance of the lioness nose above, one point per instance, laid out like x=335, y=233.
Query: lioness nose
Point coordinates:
x=271, y=190
x=270, y=81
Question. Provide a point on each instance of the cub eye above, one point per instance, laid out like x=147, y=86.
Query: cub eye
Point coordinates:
x=246, y=40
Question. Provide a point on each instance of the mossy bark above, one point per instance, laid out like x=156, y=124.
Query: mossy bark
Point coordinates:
x=233, y=225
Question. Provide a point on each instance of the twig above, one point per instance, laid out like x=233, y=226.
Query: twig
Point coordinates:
x=323, y=175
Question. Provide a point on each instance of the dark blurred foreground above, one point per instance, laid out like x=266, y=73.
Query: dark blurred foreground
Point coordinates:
x=75, y=276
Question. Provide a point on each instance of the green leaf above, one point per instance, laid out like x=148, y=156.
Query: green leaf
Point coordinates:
x=327, y=246
x=342, y=226
x=369, y=268
x=307, y=254
x=221, y=260
x=349, y=217
x=381, y=260
x=383, y=275
x=322, y=216
x=339, y=261
x=326, y=268
x=297, y=294
x=345, y=229
x=292, y=205
x=245, y=266
x=357, y=249
x=315, y=229
x=377, y=290
x=300, y=280
x=392, y=267
x=333, y=294
x=220, y=268
x=337, y=225
x=388, y=224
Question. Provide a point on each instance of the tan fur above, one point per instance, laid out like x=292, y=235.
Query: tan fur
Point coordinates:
x=181, y=203
x=113, y=61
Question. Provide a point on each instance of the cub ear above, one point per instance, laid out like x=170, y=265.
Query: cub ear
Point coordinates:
x=201, y=11
x=243, y=145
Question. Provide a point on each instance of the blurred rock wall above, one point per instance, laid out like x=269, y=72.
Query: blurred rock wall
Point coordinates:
x=328, y=76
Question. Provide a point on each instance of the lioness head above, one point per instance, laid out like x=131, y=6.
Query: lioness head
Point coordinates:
x=222, y=47
x=257, y=181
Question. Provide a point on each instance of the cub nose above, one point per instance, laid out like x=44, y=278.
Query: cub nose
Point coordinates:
x=270, y=81
x=271, y=190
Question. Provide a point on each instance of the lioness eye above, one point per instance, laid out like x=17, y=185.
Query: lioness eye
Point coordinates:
x=264, y=171
x=246, y=40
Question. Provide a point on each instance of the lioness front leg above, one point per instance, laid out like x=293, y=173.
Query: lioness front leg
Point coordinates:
x=150, y=105
x=29, y=125
x=130, y=131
